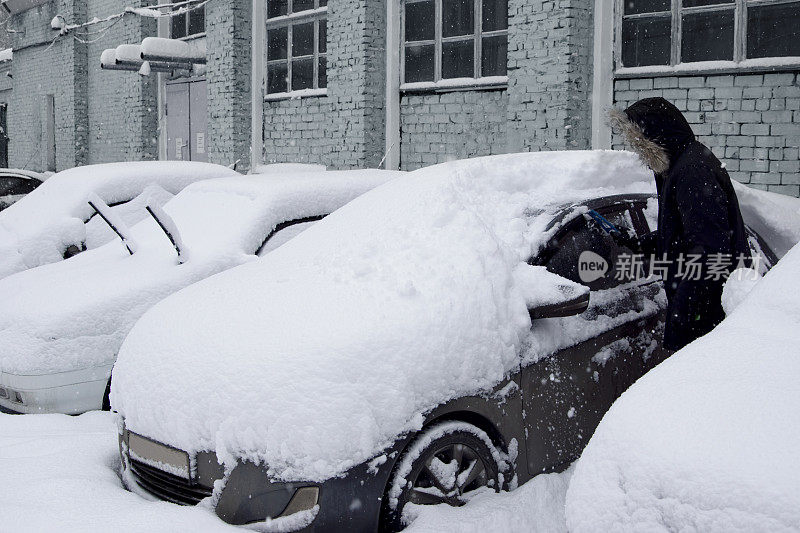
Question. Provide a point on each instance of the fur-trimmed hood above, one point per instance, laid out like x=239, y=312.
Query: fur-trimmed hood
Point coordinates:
x=655, y=129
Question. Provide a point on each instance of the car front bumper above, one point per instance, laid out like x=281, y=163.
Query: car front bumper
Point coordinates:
x=249, y=496
x=69, y=393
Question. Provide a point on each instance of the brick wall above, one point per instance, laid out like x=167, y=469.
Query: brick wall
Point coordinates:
x=122, y=106
x=296, y=131
x=453, y=125
x=550, y=72
x=750, y=121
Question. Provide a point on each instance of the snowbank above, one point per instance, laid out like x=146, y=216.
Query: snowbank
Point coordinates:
x=707, y=441
x=60, y=473
x=319, y=355
x=776, y=217
x=37, y=229
x=74, y=314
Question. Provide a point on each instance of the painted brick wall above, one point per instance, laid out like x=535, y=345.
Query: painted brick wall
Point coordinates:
x=228, y=31
x=750, y=121
x=550, y=72
x=446, y=126
x=41, y=68
x=296, y=131
x=122, y=106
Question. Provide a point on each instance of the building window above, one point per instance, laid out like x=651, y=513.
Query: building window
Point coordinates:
x=187, y=24
x=448, y=39
x=668, y=32
x=297, y=41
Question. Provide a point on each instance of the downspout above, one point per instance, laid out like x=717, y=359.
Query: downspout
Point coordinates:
x=392, y=148
x=603, y=73
x=259, y=30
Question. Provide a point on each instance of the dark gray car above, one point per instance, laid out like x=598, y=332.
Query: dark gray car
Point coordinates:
x=539, y=418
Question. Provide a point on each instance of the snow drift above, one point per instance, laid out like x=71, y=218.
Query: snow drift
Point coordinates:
x=36, y=230
x=707, y=441
x=74, y=314
x=321, y=354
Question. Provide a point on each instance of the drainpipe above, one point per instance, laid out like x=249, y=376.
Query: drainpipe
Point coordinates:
x=392, y=149
x=603, y=72
x=259, y=30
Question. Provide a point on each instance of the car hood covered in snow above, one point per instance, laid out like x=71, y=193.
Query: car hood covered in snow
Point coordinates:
x=36, y=230
x=707, y=441
x=321, y=354
x=74, y=314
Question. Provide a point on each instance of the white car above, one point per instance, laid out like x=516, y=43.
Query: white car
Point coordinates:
x=15, y=184
x=62, y=324
x=54, y=221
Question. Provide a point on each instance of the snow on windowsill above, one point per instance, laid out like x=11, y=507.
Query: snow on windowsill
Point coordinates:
x=710, y=67
x=456, y=84
x=294, y=95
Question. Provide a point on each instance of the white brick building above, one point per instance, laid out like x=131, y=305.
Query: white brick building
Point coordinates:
x=351, y=83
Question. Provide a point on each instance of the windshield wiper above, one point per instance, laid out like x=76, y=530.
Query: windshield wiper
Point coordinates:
x=114, y=221
x=169, y=228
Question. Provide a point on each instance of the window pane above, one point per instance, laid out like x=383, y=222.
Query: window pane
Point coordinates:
x=197, y=20
x=322, y=72
x=277, y=43
x=178, y=26
x=773, y=31
x=323, y=3
x=276, y=8
x=323, y=36
x=419, y=63
x=695, y=3
x=303, y=39
x=707, y=36
x=420, y=19
x=302, y=5
x=494, y=54
x=458, y=17
x=458, y=60
x=276, y=78
x=495, y=15
x=633, y=7
x=645, y=41
x=302, y=74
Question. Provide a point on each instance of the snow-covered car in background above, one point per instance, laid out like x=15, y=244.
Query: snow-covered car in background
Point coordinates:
x=15, y=184
x=708, y=440
x=54, y=221
x=62, y=324
x=430, y=339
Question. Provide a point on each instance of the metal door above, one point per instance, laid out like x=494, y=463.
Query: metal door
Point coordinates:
x=198, y=120
x=178, y=122
x=187, y=121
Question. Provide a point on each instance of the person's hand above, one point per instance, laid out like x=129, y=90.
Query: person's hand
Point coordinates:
x=626, y=240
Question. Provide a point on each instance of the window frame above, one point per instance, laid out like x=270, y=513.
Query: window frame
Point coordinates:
x=186, y=24
x=676, y=14
x=477, y=36
x=316, y=15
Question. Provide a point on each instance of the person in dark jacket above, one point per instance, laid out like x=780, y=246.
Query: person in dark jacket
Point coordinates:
x=698, y=217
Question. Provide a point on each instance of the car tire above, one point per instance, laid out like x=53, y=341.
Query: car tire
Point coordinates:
x=445, y=463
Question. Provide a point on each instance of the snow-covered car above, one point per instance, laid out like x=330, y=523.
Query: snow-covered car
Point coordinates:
x=15, y=184
x=54, y=221
x=62, y=324
x=708, y=440
x=460, y=329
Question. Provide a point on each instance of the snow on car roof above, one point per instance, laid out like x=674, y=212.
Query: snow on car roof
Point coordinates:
x=37, y=229
x=706, y=441
x=316, y=357
x=74, y=314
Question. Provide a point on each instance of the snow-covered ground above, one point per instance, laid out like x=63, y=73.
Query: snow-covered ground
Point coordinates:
x=61, y=472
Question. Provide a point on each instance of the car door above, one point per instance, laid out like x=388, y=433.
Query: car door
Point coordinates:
x=577, y=366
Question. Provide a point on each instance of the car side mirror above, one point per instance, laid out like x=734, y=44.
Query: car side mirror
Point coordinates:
x=548, y=295
x=568, y=307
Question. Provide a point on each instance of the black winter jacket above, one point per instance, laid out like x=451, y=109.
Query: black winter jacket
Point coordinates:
x=698, y=215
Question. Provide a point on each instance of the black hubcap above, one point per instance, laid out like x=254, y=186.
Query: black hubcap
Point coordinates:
x=448, y=475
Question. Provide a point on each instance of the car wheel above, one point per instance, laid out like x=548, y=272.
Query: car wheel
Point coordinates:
x=446, y=463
